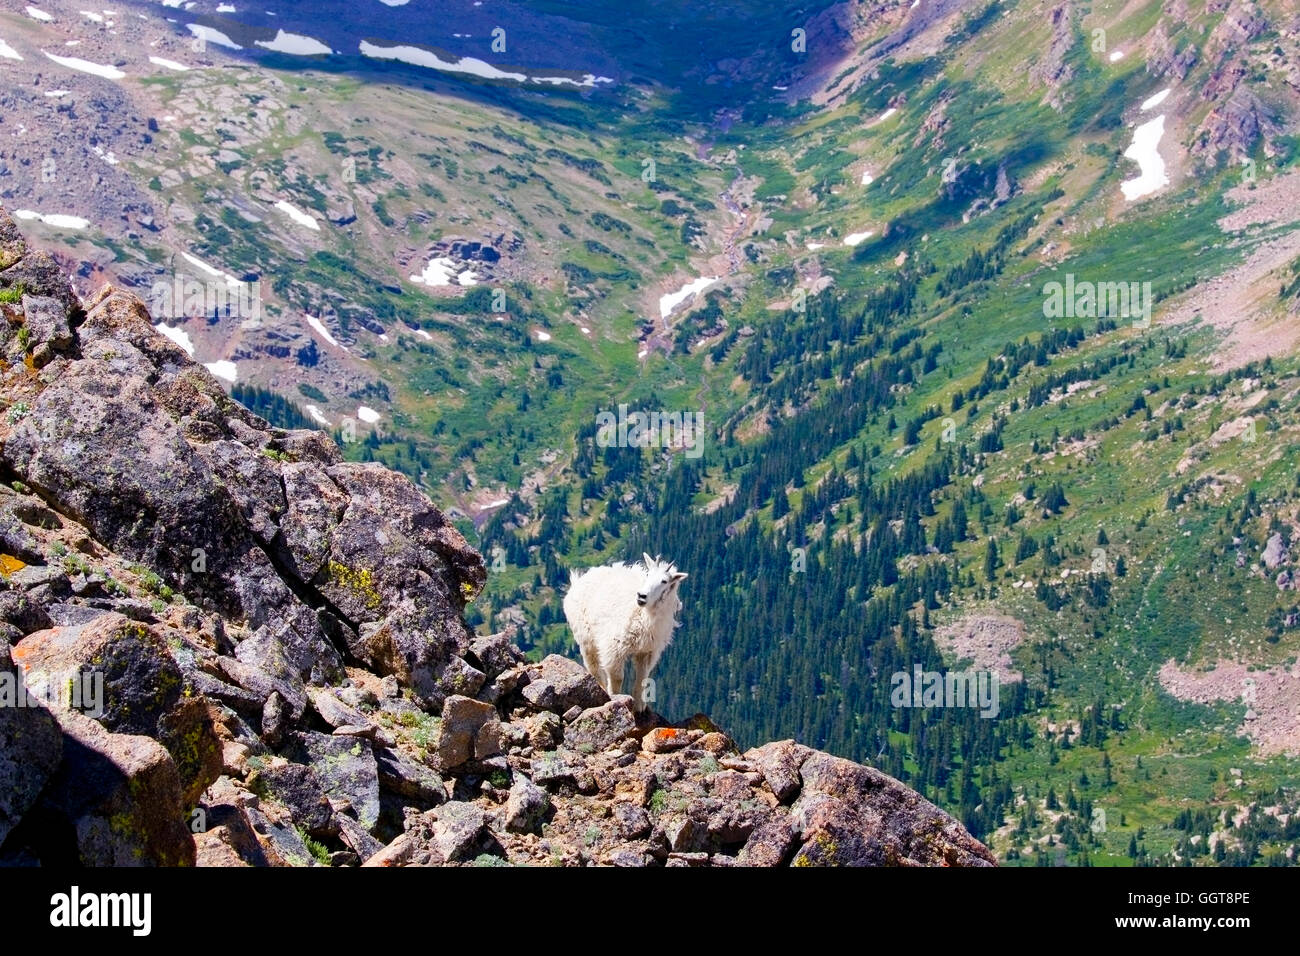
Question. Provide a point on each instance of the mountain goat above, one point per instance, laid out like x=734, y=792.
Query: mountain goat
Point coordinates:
x=624, y=610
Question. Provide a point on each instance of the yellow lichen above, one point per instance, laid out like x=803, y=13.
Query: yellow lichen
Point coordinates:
x=361, y=582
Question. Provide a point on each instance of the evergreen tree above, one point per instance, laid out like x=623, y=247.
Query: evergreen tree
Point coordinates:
x=991, y=560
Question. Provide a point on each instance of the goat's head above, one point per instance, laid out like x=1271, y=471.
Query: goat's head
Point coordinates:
x=661, y=579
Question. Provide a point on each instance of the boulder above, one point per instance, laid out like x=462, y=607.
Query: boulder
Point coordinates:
x=129, y=682
x=779, y=763
x=117, y=797
x=559, y=683
x=526, y=805
x=31, y=747
x=851, y=815
x=470, y=730
x=457, y=829
x=46, y=321
x=408, y=778
x=346, y=769
x=599, y=728
x=296, y=787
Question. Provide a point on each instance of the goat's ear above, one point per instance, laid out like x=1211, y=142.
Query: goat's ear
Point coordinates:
x=649, y=561
x=679, y=577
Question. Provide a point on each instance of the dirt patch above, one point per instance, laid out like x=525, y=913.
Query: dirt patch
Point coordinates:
x=1243, y=300
x=727, y=495
x=1272, y=699
x=1276, y=200
x=985, y=639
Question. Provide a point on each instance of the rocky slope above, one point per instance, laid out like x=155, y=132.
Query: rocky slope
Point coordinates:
x=287, y=677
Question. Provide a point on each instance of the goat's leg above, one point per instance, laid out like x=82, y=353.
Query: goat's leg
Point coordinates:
x=589, y=662
x=642, y=664
x=614, y=680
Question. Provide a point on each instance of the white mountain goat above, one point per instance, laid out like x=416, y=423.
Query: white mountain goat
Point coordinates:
x=624, y=610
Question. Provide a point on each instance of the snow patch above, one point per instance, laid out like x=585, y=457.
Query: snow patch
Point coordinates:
x=854, y=238
x=215, y=273
x=209, y=35
x=38, y=14
x=416, y=56
x=295, y=44
x=223, y=369
x=368, y=415
x=1144, y=151
x=316, y=416
x=669, y=302
x=169, y=64
x=298, y=216
x=319, y=327
x=85, y=66
x=588, y=79
x=427, y=58
x=7, y=52
x=57, y=220
x=177, y=335
x=1154, y=101
x=442, y=271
